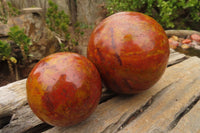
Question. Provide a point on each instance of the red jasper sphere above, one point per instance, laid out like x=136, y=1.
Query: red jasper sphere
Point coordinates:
x=130, y=50
x=63, y=89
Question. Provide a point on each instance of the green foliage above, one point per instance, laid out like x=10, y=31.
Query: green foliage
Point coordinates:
x=14, y=11
x=78, y=33
x=5, y=50
x=6, y=55
x=57, y=20
x=78, y=29
x=7, y=11
x=84, y=26
x=169, y=13
x=21, y=39
x=62, y=47
x=74, y=42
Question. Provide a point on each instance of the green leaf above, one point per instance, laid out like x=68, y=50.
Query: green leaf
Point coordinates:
x=166, y=12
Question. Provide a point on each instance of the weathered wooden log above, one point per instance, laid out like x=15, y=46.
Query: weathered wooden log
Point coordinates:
x=190, y=122
x=22, y=120
x=104, y=119
x=181, y=33
x=12, y=97
x=169, y=106
x=176, y=58
x=168, y=98
x=37, y=10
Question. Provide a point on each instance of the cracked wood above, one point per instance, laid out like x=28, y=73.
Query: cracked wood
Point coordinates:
x=112, y=113
x=190, y=122
x=167, y=108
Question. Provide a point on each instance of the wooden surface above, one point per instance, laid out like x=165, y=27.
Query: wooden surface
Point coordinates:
x=171, y=105
x=181, y=33
x=12, y=96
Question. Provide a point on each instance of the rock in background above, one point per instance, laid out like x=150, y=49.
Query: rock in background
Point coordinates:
x=191, y=41
x=88, y=12
x=20, y=4
x=43, y=40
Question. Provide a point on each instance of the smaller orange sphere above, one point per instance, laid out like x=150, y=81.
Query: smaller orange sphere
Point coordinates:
x=63, y=89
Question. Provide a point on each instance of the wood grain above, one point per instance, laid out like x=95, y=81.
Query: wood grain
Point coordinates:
x=168, y=107
x=21, y=121
x=190, y=123
x=12, y=96
x=176, y=58
x=181, y=33
x=110, y=115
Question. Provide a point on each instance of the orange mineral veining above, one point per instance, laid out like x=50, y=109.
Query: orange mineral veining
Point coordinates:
x=63, y=89
x=130, y=50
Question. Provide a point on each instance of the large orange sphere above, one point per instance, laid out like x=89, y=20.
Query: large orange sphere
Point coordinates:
x=130, y=50
x=63, y=89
